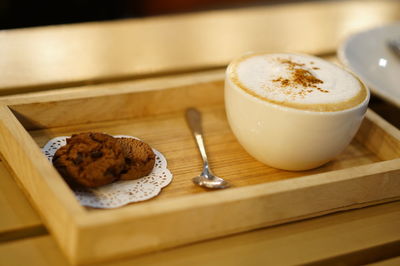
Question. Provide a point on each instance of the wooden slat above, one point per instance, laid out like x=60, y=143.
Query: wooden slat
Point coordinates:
x=157, y=117
x=322, y=239
x=227, y=157
x=149, y=84
x=386, y=146
x=60, y=56
x=18, y=218
x=389, y=262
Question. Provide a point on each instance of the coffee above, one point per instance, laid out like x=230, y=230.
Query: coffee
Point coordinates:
x=297, y=81
x=293, y=112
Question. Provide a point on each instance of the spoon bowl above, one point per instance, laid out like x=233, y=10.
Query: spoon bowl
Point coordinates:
x=210, y=182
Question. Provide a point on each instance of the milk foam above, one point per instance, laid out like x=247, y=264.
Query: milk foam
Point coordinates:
x=298, y=81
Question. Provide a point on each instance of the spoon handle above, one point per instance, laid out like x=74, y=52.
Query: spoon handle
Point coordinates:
x=193, y=118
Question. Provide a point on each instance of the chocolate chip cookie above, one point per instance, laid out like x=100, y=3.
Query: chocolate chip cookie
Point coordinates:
x=90, y=160
x=139, y=158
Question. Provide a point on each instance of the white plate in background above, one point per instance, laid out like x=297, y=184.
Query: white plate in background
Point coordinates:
x=368, y=55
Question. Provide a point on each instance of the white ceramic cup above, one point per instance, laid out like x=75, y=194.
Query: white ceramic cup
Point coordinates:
x=289, y=138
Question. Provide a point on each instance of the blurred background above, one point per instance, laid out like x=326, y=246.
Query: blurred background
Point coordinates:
x=24, y=13
x=50, y=49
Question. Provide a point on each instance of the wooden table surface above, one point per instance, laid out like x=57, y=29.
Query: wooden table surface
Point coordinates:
x=92, y=56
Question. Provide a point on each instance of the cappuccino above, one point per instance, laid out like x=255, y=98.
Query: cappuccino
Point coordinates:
x=293, y=112
x=298, y=81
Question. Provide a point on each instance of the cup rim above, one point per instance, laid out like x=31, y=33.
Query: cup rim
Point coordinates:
x=294, y=109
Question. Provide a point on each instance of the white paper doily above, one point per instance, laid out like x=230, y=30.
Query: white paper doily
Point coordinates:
x=123, y=192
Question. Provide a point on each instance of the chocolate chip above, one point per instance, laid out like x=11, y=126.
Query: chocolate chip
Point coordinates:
x=96, y=154
x=111, y=171
x=128, y=160
x=78, y=159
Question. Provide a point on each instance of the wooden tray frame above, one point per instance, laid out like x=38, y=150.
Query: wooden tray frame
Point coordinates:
x=87, y=237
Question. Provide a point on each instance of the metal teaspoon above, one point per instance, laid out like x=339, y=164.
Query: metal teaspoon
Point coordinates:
x=206, y=178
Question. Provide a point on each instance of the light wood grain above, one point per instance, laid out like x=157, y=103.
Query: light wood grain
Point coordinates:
x=389, y=262
x=55, y=201
x=147, y=99
x=349, y=234
x=156, y=115
x=18, y=218
x=387, y=145
x=170, y=134
x=19, y=221
x=61, y=56
x=137, y=99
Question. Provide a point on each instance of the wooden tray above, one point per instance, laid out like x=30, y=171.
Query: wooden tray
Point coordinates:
x=367, y=172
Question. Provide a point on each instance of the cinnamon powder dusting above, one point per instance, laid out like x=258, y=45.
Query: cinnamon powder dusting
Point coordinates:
x=299, y=78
